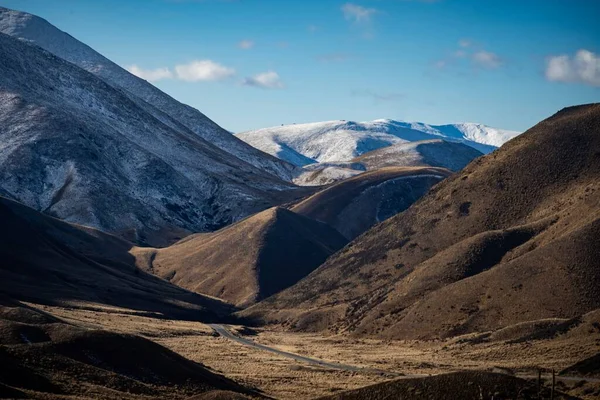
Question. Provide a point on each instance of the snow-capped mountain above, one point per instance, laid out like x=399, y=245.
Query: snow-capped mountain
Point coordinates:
x=77, y=148
x=341, y=141
x=177, y=116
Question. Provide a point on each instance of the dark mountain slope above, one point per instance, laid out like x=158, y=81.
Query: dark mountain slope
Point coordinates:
x=456, y=386
x=512, y=238
x=51, y=359
x=46, y=260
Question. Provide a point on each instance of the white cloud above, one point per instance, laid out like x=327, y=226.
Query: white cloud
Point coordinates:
x=246, y=44
x=151, y=75
x=203, y=70
x=487, y=59
x=584, y=67
x=440, y=64
x=464, y=43
x=312, y=28
x=358, y=14
x=265, y=80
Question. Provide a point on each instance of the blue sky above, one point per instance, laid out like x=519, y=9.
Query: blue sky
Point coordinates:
x=249, y=64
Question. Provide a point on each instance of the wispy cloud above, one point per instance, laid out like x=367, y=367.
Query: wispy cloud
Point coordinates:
x=151, y=75
x=265, y=80
x=195, y=71
x=378, y=96
x=246, y=44
x=487, y=59
x=583, y=67
x=465, y=43
x=203, y=70
x=312, y=28
x=358, y=14
x=466, y=49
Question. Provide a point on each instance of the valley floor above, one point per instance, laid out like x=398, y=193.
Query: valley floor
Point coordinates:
x=282, y=377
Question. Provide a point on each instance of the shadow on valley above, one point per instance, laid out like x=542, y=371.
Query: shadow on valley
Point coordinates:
x=49, y=261
x=41, y=355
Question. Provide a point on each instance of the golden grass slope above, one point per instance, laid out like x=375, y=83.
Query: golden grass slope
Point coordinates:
x=246, y=261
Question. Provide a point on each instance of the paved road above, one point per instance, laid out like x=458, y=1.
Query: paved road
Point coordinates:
x=226, y=333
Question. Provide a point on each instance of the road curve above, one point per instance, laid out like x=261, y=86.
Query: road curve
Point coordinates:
x=222, y=331
x=226, y=333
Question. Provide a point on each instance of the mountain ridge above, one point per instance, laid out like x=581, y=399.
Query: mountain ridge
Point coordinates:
x=340, y=140
x=77, y=148
x=177, y=115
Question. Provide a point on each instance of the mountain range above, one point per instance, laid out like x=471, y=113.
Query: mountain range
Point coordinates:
x=133, y=227
x=342, y=141
x=510, y=239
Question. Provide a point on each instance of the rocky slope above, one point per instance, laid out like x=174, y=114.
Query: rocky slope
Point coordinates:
x=511, y=238
x=179, y=117
x=77, y=148
x=246, y=261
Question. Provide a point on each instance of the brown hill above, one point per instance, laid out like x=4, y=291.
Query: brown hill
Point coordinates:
x=52, y=359
x=423, y=153
x=512, y=238
x=588, y=367
x=246, y=261
x=45, y=260
x=455, y=386
x=354, y=205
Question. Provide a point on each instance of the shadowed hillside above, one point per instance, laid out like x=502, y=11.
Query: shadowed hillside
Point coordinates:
x=49, y=261
x=44, y=357
x=455, y=386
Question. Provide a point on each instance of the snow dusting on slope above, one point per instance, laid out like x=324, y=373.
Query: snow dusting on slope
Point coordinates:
x=169, y=111
x=340, y=141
